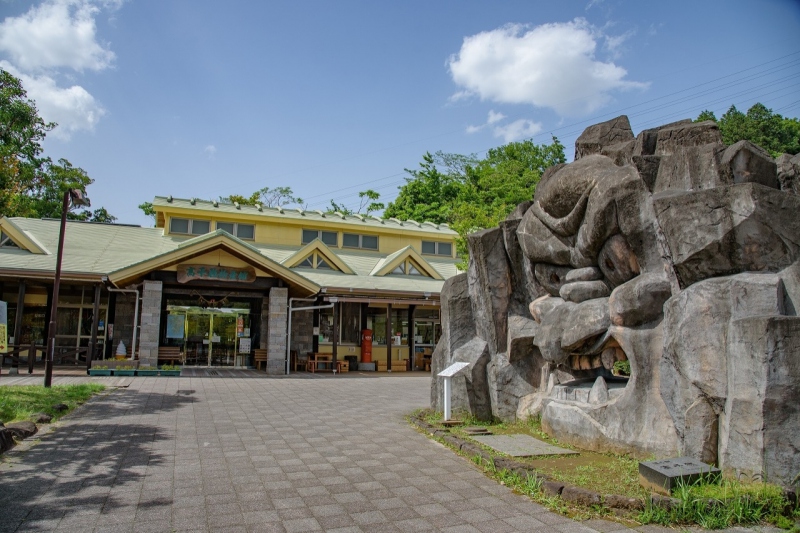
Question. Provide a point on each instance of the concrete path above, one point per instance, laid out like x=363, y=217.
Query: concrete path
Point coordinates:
x=227, y=454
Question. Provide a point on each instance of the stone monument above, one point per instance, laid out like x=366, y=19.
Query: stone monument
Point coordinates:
x=669, y=250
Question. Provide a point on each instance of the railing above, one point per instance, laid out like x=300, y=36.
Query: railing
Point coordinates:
x=62, y=355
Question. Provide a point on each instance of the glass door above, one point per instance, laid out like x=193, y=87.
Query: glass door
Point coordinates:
x=223, y=339
x=198, y=343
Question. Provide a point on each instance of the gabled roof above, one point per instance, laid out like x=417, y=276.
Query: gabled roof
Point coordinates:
x=217, y=240
x=389, y=263
x=21, y=238
x=320, y=247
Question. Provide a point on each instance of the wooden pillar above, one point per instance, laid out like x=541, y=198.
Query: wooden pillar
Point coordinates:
x=336, y=315
x=389, y=337
x=95, y=325
x=411, y=342
x=18, y=322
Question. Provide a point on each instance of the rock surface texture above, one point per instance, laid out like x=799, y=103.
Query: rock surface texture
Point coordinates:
x=667, y=250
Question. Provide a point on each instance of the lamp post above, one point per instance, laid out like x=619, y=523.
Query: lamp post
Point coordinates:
x=76, y=196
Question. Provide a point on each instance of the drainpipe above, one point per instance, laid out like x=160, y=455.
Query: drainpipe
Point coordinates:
x=135, y=315
x=289, y=329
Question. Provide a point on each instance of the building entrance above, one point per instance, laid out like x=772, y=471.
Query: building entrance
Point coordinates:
x=210, y=337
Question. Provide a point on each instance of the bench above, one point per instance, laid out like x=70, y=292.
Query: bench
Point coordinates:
x=170, y=355
x=323, y=362
x=260, y=357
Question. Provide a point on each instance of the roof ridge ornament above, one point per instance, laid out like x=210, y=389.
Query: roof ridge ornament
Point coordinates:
x=339, y=214
x=258, y=206
x=396, y=221
x=193, y=200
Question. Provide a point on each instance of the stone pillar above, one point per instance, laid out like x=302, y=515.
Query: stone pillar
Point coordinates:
x=150, y=320
x=276, y=330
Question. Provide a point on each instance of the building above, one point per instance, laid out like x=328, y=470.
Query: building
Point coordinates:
x=217, y=284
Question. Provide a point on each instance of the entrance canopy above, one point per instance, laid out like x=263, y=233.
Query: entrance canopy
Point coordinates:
x=217, y=247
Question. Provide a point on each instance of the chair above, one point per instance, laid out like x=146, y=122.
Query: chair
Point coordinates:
x=260, y=357
x=298, y=362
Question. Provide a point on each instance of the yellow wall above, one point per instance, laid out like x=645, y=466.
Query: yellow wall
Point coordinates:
x=289, y=231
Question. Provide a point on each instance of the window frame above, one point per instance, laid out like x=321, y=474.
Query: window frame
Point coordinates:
x=190, y=226
x=436, y=248
x=361, y=242
x=236, y=226
x=319, y=236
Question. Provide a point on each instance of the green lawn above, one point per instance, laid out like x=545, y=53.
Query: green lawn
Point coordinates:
x=22, y=402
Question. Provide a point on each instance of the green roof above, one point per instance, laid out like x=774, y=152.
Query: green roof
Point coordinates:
x=99, y=249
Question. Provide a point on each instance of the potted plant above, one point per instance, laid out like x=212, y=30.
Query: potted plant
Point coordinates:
x=125, y=370
x=99, y=370
x=170, y=370
x=621, y=368
x=147, y=371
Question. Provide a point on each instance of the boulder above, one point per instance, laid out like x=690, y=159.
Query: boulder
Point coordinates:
x=22, y=430
x=673, y=138
x=585, y=323
x=509, y=383
x=744, y=162
x=581, y=291
x=603, y=135
x=726, y=230
x=759, y=433
x=647, y=139
x=695, y=360
x=551, y=277
x=617, y=261
x=580, y=496
x=543, y=305
x=788, y=168
x=6, y=439
x=599, y=392
x=584, y=274
x=489, y=280
x=639, y=301
x=42, y=418
x=550, y=331
x=690, y=168
x=470, y=387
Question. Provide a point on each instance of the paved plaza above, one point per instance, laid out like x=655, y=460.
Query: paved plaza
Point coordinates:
x=283, y=454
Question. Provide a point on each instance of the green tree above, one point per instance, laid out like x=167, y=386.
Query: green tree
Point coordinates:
x=32, y=185
x=470, y=193
x=368, y=204
x=268, y=197
x=427, y=195
x=148, y=209
x=771, y=131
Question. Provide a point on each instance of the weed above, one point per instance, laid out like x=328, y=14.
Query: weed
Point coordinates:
x=22, y=402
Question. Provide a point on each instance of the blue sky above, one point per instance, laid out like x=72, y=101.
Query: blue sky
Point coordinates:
x=204, y=99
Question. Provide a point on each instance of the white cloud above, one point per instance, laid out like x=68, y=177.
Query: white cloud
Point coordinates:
x=519, y=129
x=210, y=151
x=57, y=33
x=40, y=44
x=552, y=65
x=73, y=108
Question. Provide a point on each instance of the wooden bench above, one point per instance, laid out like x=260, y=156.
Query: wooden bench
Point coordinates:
x=260, y=357
x=170, y=355
x=323, y=362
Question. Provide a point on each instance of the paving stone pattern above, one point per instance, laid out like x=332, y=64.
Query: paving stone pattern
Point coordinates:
x=227, y=454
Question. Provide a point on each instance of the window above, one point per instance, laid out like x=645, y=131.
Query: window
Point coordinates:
x=316, y=261
x=349, y=323
x=376, y=321
x=367, y=242
x=331, y=238
x=243, y=231
x=5, y=241
x=408, y=268
x=437, y=248
x=189, y=226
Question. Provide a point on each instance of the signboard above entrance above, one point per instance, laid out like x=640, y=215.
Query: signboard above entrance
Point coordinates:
x=215, y=273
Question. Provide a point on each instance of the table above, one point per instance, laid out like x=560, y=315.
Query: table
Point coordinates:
x=323, y=363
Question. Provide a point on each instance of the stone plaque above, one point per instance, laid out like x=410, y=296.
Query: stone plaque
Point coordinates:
x=664, y=475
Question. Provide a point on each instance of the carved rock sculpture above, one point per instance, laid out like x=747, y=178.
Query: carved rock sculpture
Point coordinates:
x=668, y=250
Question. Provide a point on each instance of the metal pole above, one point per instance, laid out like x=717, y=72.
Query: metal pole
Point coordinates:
x=446, y=392
x=51, y=331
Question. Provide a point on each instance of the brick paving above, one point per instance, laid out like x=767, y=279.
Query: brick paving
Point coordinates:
x=289, y=455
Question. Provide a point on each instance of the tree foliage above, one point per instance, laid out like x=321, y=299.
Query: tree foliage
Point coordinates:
x=268, y=197
x=470, y=193
x=771, y=131
x=368, y=204
x=32, y=185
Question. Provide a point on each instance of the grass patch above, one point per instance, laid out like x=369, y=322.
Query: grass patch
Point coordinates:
x=725, y=504
x=19, y=403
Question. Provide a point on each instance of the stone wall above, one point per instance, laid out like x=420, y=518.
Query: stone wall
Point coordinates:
x=150, y=320
x=276, y=330
x=668, y=252
x=302, y=329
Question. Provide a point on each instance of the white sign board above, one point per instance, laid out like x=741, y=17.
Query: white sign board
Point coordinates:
x=452, y=370
x=244, y=345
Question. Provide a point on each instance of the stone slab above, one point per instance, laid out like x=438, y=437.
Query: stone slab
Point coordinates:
x=521, y=445
x=664, y=475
